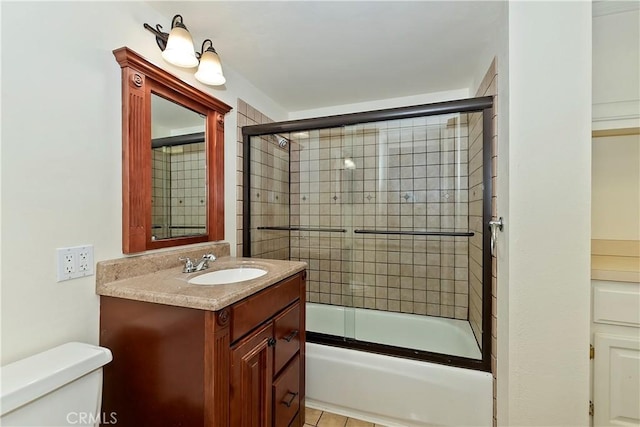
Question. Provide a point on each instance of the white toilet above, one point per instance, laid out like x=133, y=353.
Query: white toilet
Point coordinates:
x=58, y=387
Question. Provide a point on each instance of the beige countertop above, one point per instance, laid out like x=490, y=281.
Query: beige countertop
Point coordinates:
x=169, y=285
x=615, y=260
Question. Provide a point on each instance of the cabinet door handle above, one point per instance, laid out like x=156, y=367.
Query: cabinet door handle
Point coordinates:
x=291, y=336
x=290, y=401
x=271, y=342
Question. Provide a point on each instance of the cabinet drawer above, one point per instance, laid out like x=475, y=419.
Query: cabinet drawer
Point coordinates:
x=254, y=310
x=286, y=394
x=287, y=335
x=616, y=303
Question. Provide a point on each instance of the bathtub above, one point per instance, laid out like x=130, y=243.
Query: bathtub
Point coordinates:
x=428, y=333
x=389, y=390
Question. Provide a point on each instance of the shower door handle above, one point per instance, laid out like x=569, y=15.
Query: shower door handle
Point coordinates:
x=495, y=226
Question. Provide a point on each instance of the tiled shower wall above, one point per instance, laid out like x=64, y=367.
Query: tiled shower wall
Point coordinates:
x=422, y=275
x=475, y=224
x=269, y=198
x=396, y=175
x=269, y=189
x=179, y=199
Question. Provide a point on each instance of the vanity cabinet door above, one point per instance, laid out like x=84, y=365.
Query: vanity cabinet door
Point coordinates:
x=251, y=377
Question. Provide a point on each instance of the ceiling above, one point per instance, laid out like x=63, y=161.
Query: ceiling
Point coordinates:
x=311, y=54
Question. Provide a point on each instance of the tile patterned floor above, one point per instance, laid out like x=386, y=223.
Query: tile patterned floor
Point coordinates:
x=316, y=418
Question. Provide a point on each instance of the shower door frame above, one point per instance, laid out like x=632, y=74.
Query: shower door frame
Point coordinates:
x=469, y=105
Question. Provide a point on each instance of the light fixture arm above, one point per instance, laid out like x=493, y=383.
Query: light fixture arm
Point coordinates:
x=209, y=49
x=161, y=36
x=177, y=22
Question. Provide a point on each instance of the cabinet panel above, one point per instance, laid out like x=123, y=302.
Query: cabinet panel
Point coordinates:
x=251, y=375
x=158, y=356
x=286, y=394
x=616, y=303
x=616, y=380
x=287, y=334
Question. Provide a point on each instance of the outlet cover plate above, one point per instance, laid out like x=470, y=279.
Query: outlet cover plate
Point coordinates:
x=74, y=262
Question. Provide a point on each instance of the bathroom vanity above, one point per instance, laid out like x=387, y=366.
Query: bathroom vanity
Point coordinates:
x=197, y=355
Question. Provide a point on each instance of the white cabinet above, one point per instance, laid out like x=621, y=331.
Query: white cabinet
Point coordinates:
x=616, y=380
x=616, y=365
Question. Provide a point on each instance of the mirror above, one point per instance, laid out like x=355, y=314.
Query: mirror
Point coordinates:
x=178, y=167
x=172, y=159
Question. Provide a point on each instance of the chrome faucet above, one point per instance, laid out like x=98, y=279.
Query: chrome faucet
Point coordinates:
x=203, y=264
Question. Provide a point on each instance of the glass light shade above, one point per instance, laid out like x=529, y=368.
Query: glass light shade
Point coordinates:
x=179, y=50
x=210, y=69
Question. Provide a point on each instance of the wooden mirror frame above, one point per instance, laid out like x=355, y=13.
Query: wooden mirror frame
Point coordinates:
x=140, y=79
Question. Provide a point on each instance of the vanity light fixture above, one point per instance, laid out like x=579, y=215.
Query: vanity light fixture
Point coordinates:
x=177, y=49
x=210, y=69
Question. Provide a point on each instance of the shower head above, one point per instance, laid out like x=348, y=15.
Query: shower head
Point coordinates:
x=281, y=140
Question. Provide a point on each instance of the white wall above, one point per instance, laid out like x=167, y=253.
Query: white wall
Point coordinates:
x=616, y=104
x=616, y=67
x=61, y=157
x=549, y=214
x=381, y=104
x=615, y=197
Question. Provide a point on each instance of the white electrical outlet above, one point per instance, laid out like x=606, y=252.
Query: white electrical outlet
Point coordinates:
x=66, y=263
x=75, y=262
x=85, y=260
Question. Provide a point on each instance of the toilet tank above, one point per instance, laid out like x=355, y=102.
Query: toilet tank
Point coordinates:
x=58, y=387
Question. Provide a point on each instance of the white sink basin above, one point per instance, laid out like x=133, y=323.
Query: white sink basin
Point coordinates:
x=230, y=275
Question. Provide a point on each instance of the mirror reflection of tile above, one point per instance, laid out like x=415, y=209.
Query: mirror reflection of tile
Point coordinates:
x=179, y=190
x=178, y=171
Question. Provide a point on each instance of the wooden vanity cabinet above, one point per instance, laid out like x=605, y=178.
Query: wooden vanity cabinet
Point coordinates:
x=241, y=366
x=260, y=360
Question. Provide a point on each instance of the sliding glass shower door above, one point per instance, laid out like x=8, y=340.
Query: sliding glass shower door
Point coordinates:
x=389, y=215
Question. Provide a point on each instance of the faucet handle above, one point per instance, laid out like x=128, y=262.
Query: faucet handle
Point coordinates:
x=209, y=257
x=188, y=265
x=203, y=263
